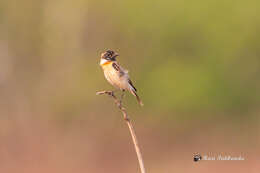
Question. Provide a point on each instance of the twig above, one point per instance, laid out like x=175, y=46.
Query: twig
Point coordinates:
x=130, y=126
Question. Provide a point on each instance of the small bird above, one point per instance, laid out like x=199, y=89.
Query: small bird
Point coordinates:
x=116, y=75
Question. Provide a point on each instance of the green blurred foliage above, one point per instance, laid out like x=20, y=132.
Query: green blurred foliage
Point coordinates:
x=183, y=56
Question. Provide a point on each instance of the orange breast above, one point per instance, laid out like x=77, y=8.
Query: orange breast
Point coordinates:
x=106, y=63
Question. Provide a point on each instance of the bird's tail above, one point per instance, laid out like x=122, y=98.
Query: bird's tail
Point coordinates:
x=133, y=91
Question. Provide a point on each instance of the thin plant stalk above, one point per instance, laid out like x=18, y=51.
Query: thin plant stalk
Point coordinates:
x=130, y=126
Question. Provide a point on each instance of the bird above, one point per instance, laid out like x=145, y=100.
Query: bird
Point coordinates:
x=116, y=75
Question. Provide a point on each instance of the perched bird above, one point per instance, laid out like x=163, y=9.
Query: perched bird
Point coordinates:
x=116, y=75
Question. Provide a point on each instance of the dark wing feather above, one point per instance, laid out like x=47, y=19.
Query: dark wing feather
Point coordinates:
x=130, y=82
x=117, y=68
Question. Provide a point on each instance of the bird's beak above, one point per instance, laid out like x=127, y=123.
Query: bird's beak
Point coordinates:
x=116, y=54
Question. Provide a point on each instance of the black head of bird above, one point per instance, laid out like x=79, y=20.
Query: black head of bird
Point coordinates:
x=109, y=55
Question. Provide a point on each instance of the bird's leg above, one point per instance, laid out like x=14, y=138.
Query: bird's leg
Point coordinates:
x=112, y=92
x=121, y=98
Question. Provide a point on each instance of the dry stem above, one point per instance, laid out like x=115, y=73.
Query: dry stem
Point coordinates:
x=130, y=126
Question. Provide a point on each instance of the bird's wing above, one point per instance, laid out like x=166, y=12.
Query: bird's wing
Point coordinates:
x=130, y=83
x=119, y=69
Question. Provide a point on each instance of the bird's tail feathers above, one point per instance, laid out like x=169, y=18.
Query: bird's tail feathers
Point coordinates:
x=133, y=91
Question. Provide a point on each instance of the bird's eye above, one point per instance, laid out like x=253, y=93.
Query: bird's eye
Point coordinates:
x=110, y=51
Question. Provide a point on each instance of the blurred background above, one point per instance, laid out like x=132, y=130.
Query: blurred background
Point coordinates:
x=196, y=65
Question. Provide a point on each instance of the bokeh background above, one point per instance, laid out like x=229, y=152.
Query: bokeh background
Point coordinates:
x=196, y=65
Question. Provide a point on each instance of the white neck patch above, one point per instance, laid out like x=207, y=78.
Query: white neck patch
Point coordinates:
x=103, y=61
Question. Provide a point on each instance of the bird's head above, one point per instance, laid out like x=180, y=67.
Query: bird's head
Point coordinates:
x=108, y=56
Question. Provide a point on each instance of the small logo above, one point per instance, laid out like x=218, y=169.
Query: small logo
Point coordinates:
x=197, y=157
